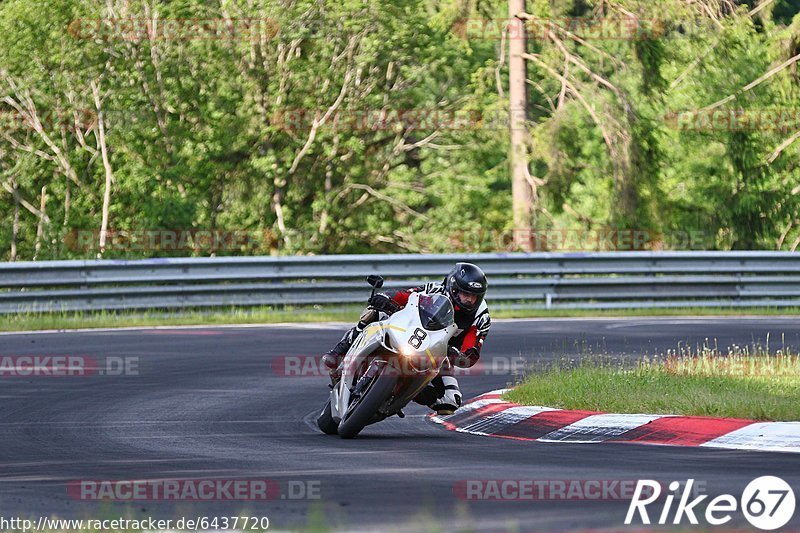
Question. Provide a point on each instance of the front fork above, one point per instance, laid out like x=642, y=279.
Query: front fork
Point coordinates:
x=374, y=368
x=351, y=392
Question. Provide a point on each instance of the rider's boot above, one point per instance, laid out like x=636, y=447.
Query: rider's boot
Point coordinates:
x=451, y=400
x=441, y=394
x=333, y=357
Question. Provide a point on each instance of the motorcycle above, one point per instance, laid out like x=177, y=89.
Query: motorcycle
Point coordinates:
x=389, y=363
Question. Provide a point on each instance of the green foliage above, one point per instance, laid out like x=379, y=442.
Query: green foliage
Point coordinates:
x=211, y=124
x=616, y=157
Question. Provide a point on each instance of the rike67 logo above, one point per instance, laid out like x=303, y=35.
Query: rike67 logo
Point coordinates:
x=767, y=503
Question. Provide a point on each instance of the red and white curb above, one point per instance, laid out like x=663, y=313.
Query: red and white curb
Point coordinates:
x=489, y=415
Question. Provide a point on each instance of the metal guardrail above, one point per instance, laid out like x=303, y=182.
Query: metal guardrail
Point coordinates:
x=537, y=280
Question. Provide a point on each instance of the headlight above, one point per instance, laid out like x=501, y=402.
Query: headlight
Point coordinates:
x=407, y=350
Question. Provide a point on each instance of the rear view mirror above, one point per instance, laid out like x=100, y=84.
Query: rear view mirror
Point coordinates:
x=375, y=280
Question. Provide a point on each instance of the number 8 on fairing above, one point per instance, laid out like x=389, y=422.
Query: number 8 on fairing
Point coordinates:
x=416, y=339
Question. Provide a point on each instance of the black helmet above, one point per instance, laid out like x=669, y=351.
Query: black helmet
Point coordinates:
x=466, y=278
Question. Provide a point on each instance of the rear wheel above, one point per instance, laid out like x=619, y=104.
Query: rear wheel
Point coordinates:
x=325, y=420
x=364, y=407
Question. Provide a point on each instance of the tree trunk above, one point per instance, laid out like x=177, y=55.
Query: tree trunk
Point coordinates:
x=40, y=225
x=15, y=224
x=277, y=206
x=67, y=202
x=521, y=188
x=101, y=133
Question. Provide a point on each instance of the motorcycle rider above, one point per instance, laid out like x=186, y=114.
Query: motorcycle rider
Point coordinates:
x=466, y=286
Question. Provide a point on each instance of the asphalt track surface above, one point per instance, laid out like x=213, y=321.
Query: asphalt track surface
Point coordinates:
x=208, y=403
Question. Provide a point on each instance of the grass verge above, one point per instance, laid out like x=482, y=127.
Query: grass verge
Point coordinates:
x=344, y=313
x=748, y=382
x=109, y=319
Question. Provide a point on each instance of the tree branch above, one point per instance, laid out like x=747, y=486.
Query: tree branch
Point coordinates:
x=754, y=83
x=783, y=146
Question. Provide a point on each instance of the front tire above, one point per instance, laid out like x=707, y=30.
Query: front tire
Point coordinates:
x=325, y=420
x=361, y=414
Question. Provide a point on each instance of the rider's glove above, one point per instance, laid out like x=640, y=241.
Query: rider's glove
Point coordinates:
x=463, y=359
x=382, y=302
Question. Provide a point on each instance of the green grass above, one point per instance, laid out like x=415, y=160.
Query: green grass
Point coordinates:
x=344, y=313
x=748, y=382
x=107, y=319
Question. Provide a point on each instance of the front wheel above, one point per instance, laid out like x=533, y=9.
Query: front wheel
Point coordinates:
x=363, y=408
x=325, y=420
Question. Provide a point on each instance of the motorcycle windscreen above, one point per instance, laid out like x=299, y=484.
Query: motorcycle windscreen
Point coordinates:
x=435, y=311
